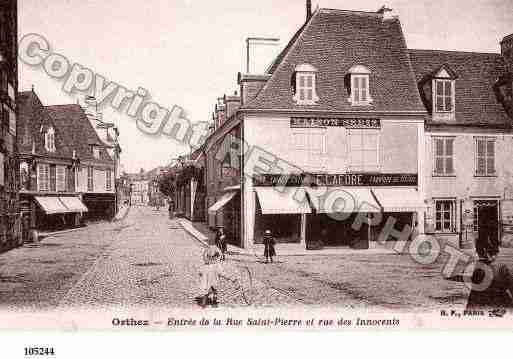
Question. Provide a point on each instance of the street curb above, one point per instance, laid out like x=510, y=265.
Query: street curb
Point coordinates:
x=197, y=235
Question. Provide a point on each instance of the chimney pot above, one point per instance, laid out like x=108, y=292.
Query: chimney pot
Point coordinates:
x=308, y=9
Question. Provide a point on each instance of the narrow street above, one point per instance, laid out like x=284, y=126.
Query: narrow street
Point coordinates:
x=147, y=259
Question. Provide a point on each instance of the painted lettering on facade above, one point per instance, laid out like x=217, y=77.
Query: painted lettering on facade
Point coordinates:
x=354, y=123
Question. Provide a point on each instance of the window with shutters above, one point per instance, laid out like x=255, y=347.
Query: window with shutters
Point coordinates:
x=50, y=140
x=360, y=86
x=485, y=156
x=363, y=150
x=306, y=93
x=43, y=177
x=310, y=146
x=90, y=179
x=444, y=156
x=61, y=178
x=108, y=180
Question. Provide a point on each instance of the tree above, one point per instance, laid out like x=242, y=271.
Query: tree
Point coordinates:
x=166, y=184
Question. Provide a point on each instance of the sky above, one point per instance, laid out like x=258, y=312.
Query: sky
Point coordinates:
x=188, y=52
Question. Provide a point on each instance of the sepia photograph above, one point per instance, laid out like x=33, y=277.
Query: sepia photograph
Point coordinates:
x=186, y=165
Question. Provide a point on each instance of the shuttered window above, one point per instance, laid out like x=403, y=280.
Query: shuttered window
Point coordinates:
x=444, y=156
x=485, y=156
x=43, y=176
x=61, y=178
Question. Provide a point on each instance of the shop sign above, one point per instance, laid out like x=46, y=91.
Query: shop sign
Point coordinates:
x=353, y=123
x=337, y=180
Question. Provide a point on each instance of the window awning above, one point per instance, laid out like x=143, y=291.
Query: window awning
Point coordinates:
x=342, y=200
x=74, y=204
x=227, y=197
x=399, y=199
x=289, y=202
x=51, y=205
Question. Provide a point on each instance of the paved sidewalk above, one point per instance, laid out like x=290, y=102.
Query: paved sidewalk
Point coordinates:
x=202, y=233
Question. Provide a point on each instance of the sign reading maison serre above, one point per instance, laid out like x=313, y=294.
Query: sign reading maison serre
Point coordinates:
x=355, y=123
x=336, y=180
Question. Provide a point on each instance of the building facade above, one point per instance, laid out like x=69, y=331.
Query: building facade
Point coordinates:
x=10, y=218
x=48, y=168
x=325, y=126
x=469, y=138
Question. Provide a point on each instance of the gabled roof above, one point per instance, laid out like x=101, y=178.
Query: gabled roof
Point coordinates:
x=33, y=121
x=476, y=103
x=333, y=41
x=78, y=131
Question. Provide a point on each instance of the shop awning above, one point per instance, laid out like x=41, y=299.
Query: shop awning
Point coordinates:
x=74, y=204
x=399, y=199
x=51, y=205
x=222, y=201
x=342, y=199
x=289, y=202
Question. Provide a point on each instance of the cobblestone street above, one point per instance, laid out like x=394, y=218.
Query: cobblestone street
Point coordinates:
x=149, y=260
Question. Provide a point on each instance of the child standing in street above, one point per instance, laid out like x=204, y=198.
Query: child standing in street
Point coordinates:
x=269, y=242
x=209, y=277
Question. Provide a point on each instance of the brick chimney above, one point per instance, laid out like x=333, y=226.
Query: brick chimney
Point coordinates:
x=232, y=103
x=308, y=9
x=507, y=52
x=250, y=85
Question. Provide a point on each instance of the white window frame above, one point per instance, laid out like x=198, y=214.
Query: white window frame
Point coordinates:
x=359, y=92
x=486, y=156
x=43, y=177
x=351, y=151
x=306, y=145
x=443, y=96
x=452, y=216
x=60, y=178
x=306, y=85
x=444, y=156
x=50, y=140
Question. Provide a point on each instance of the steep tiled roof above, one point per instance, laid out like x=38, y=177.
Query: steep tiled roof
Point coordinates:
x=78, y=131
x=33, y=120
x=333, y=41
x=476, y=73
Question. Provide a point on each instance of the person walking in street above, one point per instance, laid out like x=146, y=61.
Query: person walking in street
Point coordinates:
x=171, y=209
x=209, y=274
x=220, y=242
x=269, y=243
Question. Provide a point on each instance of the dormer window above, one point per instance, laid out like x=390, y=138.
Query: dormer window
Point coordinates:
x=95, y=151
x=50, y=140
x=443, y=85
x=305, y=78
x=444, y=95
x=360, y=86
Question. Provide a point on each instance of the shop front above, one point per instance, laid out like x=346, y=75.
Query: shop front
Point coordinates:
x=50, y=213
x=336, y=210
x=225, y=212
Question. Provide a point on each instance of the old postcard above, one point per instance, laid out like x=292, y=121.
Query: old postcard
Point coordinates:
x=255, y=165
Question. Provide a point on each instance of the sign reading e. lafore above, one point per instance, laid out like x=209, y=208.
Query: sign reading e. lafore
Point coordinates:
x=336, y=180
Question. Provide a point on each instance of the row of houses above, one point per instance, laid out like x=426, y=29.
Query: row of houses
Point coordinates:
x=347, y=121
x=67, y=174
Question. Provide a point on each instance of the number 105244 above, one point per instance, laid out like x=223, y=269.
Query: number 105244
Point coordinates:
x=33, y=351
